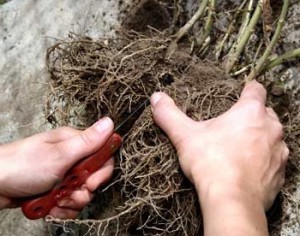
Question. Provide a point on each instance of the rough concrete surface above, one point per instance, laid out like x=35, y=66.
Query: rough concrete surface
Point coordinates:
x=26, y=31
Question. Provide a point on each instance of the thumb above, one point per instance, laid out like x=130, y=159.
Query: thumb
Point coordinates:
x=86, y=142
x=169, y=118
x=254, y=91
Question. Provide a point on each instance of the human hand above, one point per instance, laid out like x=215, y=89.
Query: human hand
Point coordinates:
x=33, y=165
x=238, y=157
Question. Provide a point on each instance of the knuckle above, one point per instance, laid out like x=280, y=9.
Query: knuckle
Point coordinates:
x=269, y=109
x=255, y=107
x=278, y=128
x=282, y=181
x=286, y=153
x=272, y=113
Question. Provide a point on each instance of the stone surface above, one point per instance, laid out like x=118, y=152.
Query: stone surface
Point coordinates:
x=291, y=40
x=27, y=29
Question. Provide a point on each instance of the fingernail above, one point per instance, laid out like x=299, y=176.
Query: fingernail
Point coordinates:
x=155, y=98
x=103, y=124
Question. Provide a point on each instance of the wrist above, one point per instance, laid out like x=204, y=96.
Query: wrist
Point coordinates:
x=2, y=174
x=7, y=152
x=4, y=202
x=236, y=212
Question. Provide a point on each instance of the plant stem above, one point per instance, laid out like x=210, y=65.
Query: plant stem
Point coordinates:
x=184, y=29
x=208, y=24
x=219, y=47
x=245, y=22
x=176, y=13
x=280, y=59
x=242, y=70
x=250, y=66
x=259, y=67
x=246, y=18
x=239, y=47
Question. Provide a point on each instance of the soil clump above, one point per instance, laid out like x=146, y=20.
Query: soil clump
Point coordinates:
x=113, y=78
x=149, y=194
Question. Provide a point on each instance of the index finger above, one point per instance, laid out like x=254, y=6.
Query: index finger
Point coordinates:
x=254, y=91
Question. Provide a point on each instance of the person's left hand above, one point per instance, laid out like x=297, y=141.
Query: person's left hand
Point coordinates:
x=33, y=165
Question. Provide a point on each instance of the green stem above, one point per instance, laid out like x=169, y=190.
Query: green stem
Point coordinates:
x=208, y=24
x=250, y=66
x=184, y=29
x=246, y=18
x=219, y=47
x=280, y=59
x=259, y=67
x=176, y=13
x=242, y=70
x=239, y=47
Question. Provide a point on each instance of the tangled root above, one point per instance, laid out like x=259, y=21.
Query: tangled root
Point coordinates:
x=91, y=79
x=112, y=77
x=150, y=170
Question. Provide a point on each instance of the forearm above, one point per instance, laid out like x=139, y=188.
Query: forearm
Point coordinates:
x=232, y=213
x=5, y=151
x=10, y=149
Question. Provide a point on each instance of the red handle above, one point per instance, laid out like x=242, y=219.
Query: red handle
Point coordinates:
x=40, y=206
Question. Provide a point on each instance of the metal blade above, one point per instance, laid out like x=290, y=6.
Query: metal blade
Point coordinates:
x=144, y=104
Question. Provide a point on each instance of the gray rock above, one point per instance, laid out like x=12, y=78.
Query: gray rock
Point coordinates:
x=27, y=29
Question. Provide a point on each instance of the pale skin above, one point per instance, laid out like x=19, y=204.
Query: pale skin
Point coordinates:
x=245, y=143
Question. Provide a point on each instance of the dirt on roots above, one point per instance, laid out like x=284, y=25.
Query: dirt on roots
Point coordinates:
x=113, y=78
x=149, y=194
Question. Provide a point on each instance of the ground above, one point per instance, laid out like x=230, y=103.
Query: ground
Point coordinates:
x=27, y=29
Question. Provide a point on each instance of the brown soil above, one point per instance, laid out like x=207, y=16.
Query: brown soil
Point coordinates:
x=148, y=14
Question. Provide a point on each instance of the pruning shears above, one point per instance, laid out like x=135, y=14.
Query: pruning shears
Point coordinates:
x=39, y=206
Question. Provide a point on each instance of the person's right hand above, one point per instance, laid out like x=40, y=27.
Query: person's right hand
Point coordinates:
x=238, y=154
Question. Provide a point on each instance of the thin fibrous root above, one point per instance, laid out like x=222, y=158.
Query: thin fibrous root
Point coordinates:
x=50, y=219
